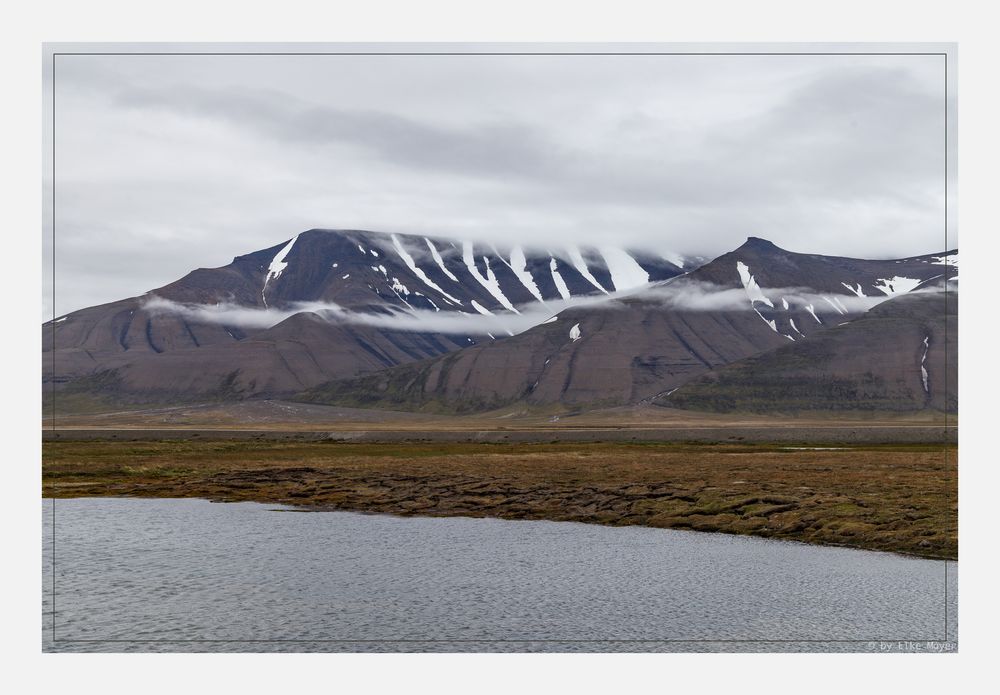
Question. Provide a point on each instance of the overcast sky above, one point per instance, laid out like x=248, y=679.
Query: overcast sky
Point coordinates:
x=168, y=163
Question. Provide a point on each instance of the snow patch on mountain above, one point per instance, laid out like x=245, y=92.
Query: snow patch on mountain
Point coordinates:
x=558, y=279
x=519, y=264
x=574, y=333
x=769, y=322
x=440, y=261
x=835, y=307
x=491, y=278
x=673, y=258
x=755, y=294
x=750, y=285
x=923, y=365
x=481, y=309
x=397, y=287
x=626, y=273
x=856, y=290
x=412, y=265
x=490, y=281
x=277, y=266
x=896, y=285
x=581, y=266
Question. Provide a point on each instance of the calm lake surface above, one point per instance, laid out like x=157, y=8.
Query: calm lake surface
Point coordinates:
x=190, y=575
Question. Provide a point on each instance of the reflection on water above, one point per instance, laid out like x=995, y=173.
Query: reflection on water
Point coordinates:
x=190, y=575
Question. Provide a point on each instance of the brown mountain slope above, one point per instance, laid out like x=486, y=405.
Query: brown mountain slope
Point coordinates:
x=623, y=354
x=901, y=356
x=302, y=351
x=133, y=350
x=750, y=301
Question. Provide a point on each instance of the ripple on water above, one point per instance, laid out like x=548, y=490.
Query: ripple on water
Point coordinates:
x=192, y=575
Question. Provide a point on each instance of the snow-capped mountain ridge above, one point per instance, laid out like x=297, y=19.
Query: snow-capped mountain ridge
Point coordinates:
x=754, y=300
x=796, y=293
x=367, y=269
x=273, y=321
x=329, y=305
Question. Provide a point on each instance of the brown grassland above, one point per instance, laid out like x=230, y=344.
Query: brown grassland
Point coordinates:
x=900, y=497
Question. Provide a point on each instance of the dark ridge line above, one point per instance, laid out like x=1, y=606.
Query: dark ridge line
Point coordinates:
x=122, y=334
x=729, y=320
x=281, y=356
x=723, y=319
x=149, y=336
x=384, y=360
x=86, y=337
x=680, y=317
x=393, y=338
x=687, y=347
x=432, y=341
x=235, y=333
x=194, y=339
x=309, y=353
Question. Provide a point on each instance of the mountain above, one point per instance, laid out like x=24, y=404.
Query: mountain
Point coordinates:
x=271, y=323
x=901, y=355
x=752, y=301
x=803, y=292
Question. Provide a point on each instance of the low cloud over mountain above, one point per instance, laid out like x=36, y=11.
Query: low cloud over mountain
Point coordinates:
x=398, y=321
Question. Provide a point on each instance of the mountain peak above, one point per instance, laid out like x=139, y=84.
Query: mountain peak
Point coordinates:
x=758, y=244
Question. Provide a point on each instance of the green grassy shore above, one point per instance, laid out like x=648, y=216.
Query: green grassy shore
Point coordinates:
x=900, y=498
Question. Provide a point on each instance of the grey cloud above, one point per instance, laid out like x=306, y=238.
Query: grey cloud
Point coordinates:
x=419, y=320
x=166, y=165
x=684, y=295
x=844, y=131
x=487, y=149
x=699, y=296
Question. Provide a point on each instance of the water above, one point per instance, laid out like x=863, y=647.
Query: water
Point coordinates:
x=190, y=575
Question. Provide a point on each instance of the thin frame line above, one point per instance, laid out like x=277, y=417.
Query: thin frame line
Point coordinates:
x=463, y=53
x=946, y=362
x=53, y=421
x=503, y=53
x=512, y=641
